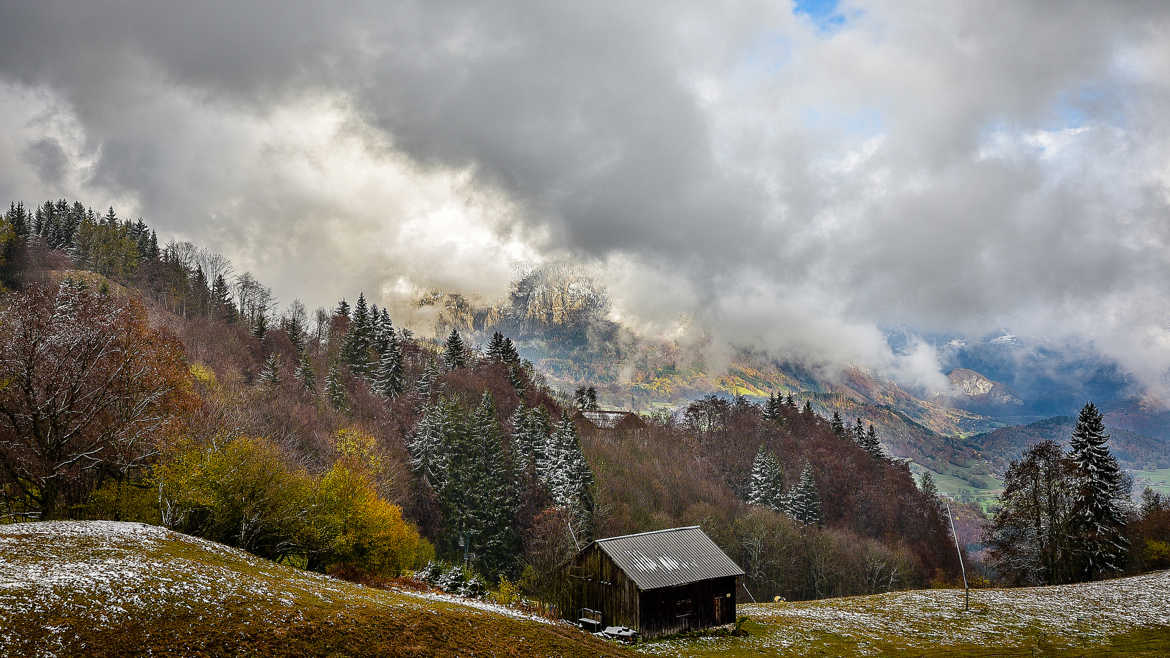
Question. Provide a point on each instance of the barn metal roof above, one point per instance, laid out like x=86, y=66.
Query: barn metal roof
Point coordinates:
x=666, y=558
x=605, y=420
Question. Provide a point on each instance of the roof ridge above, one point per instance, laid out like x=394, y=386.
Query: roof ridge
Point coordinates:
x=649, y=532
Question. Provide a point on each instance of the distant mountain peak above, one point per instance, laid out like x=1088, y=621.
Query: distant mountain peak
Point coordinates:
x=975, y=386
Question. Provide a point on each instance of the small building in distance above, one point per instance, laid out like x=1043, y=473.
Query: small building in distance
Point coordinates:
x=597, y=420
x=657, y=583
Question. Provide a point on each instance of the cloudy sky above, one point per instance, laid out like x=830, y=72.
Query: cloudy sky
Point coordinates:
x=802, y=178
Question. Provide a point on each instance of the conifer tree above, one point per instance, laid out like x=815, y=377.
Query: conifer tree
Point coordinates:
x=871, y=444
x=342, y=309
x=766, y=484
x=495, y=350
x=425, y=384
x=305, y=374
x=859, y=433
x=388, y=377
x=355, y=350
x=808, y=410
x=569, y=477
x=427, y=446
x=837, y=425
x=804, y=503
x=260, y=326
x=221, y=299
x=493, y=494
x=510, y=355
x=334, y=390
x=1098, y=516
x=454, y=352
x=270, y=371
x=790, y=401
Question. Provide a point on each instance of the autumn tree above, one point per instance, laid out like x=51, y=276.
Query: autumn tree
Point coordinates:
x=87, y=390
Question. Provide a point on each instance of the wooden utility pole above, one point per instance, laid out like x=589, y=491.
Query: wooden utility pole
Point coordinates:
x=959, y=552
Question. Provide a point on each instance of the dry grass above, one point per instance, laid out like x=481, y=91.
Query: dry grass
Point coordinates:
x=104, y=588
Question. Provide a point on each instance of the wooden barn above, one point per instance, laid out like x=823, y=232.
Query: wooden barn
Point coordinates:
x=600, y=420
x=657, y=583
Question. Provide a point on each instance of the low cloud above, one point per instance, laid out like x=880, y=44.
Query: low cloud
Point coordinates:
x=741, y=174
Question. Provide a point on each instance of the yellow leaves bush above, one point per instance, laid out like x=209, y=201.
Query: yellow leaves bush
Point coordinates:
x=244, y=493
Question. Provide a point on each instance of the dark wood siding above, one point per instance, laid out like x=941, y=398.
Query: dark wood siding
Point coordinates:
x=595, y=582
x=687, y=607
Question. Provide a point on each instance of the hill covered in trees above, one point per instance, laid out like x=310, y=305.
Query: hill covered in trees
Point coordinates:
x=342, y=443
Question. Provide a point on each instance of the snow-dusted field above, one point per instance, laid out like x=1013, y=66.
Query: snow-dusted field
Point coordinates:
x=56, y=576
x=1084, y=615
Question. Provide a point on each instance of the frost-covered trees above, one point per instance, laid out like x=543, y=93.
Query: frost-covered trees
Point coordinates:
x=501, y=350
x=804, y=502
x=869, y=442
x=305, y=374
x=1028, y=540
x=464, y=459
x=1098, y=519
x=388, y=376
x=335, y=391
x=270, y=371
x=838, y=425
x=87, y=389
x=773, y=408
x=1062, y=515
x=586, y=398
x=428, y=455
x=355, y=350
x=568, y=476
x=530, y=436
x=766, y=483
x=454, y=352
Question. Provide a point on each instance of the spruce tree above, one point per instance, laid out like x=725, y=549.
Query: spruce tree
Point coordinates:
x=260, y=326
x=425, y=384
x=1098, y=516
x=428, y=444
x=270, y=371
x=859, y=433
x=510, y=355
x=388, y=377
x=342, y=310
x=454, y=352
x=495, y=350
x=790, y=401
x=334, y=390
x=808, y=410
x=804, y=503
x=837, y=425
x=493, y=494
x=871, y=444
x=305, y=374
x=766, y=484
x=572, y=480
x=355, y=350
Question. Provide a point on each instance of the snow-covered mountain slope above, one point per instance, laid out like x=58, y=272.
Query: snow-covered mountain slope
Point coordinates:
x=1125, y=616
x=109, y=588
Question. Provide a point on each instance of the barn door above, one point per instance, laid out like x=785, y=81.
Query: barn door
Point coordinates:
x=719, y=604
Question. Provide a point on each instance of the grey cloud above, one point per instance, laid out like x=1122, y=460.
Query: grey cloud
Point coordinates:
x=46, y=156
x=880, y=175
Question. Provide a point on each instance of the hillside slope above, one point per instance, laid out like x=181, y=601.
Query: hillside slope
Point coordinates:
x=1134, y=451
x=1126, y=616
x=103, y=588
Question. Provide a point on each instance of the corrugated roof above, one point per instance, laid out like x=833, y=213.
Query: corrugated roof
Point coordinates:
x=666, y=558
x=605, y=419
